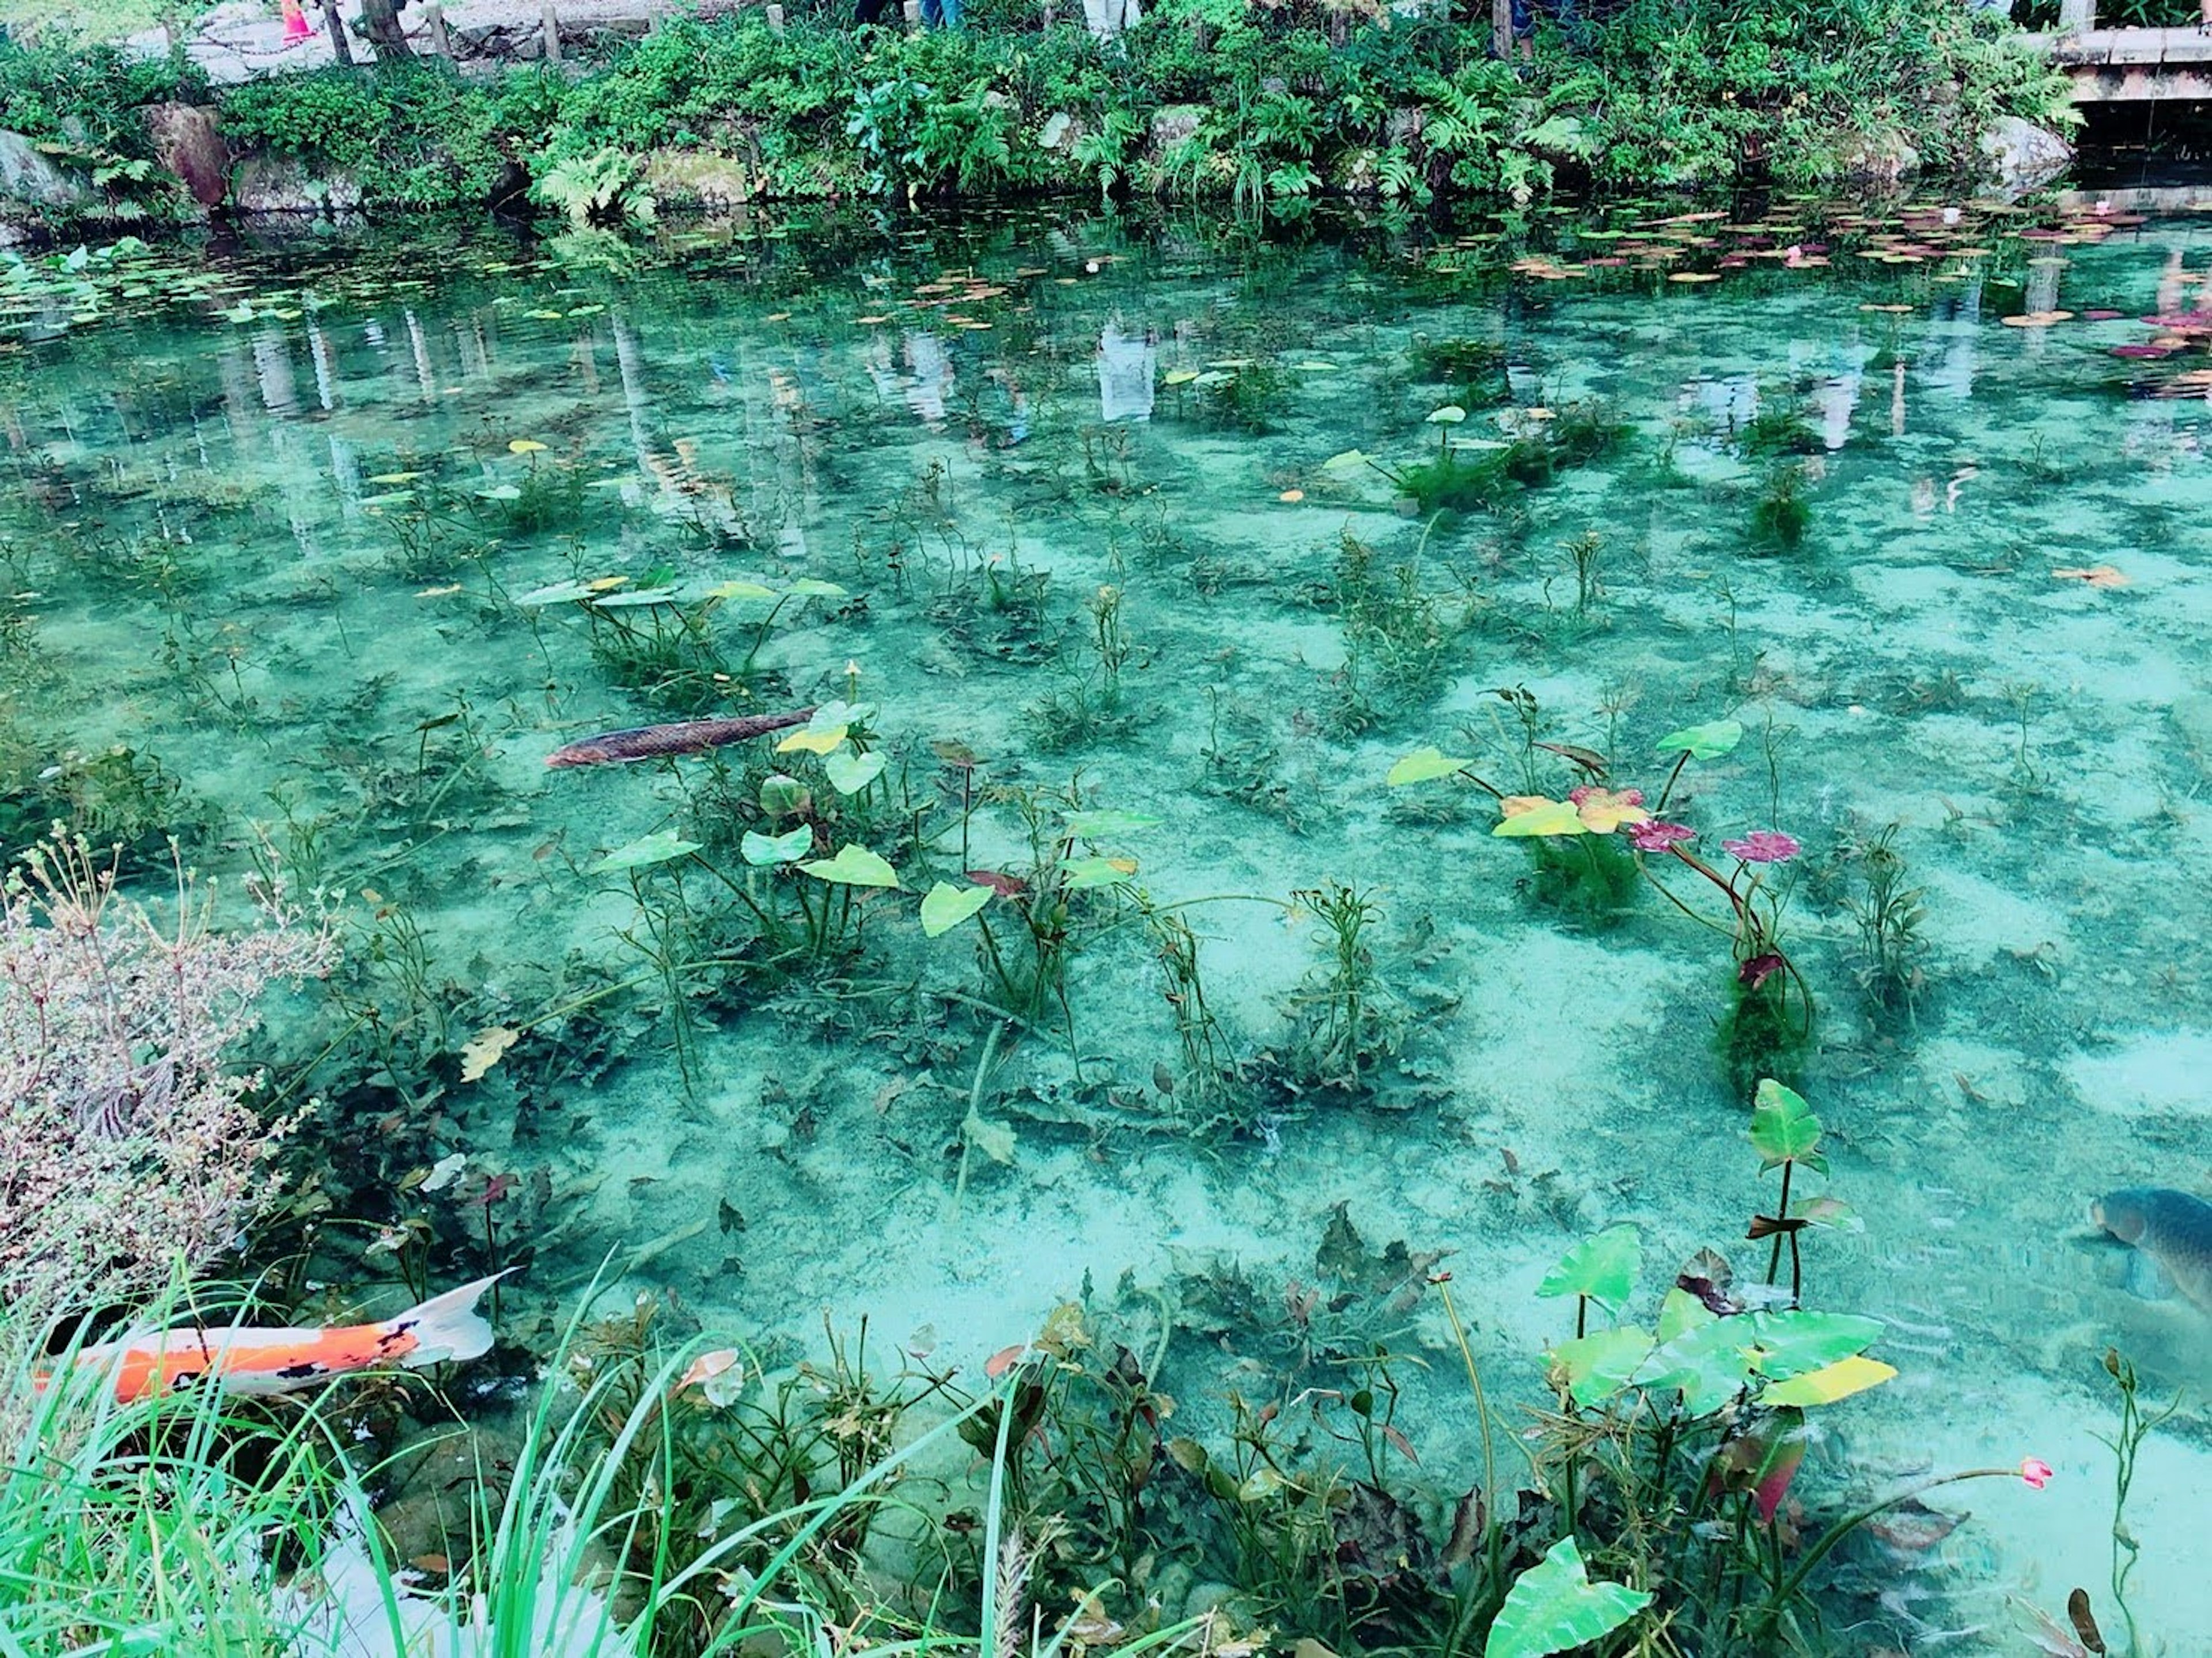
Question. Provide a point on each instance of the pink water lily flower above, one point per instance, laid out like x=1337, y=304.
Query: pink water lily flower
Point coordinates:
x=2036, y=1472
x=1762, y=846
x=1658, y=836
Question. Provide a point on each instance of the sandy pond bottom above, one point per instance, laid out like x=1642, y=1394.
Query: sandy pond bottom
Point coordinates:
x=323, y=458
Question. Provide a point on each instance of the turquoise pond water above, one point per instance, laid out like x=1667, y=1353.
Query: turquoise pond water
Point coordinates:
x=1073, y=504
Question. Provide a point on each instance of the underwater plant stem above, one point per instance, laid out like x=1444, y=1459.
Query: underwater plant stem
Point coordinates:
x=974, y=1105
x=1782, y=1214
x=1474, y=1381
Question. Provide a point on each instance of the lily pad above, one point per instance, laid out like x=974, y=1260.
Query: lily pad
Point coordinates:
x=1541, y=817
x=1079, y=874
x=1600, y=1365
x=560, y=592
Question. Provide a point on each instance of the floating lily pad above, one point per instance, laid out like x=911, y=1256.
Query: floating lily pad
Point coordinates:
x=1706, y=742
x=849, y=773
x=1424, y=765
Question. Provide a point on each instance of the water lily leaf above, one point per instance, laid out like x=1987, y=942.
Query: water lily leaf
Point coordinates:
x=1828, y=1211
x=1537, y=816
x=1784, y=1128
x=1450, y=415
x=1680, y=1312
x=1707, y=1364
x=638, y=598
x=849, y=773
x=524, y=446
x=661, y=846
x=1553, y=1607
x=853, y=866
x=482, y=1051
x=1101, y=825
x=763, y=850
x=946, y=905
x=1423, y=765
x=1830, y=1382
x=560, y=592
x=500, y=492
x=1784, y=1344
x=1599, y=1365
x=394, y=477
x=1079, y=874
x=1178, y=377
x=809, y=588
x=807, y=740
x=752, y=590
x=1601, y=1267
x=840, y=713
x=1348, y=464
x=1706, y=742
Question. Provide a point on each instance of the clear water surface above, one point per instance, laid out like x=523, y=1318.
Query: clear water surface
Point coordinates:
x=289, y=542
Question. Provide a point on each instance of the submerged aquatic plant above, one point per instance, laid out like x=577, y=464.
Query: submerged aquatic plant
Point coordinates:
x=133, y=1147
x=1781, y=513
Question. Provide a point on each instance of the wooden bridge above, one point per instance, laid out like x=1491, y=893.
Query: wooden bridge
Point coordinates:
x=2130, y=66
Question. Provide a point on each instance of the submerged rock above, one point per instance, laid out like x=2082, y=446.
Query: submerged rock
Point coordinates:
x=2021, y=153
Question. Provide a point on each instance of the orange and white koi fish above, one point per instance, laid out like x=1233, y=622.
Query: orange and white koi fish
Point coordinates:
x=243, y=1359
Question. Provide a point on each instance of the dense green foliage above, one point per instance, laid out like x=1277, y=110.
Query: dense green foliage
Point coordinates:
x=1206, y=98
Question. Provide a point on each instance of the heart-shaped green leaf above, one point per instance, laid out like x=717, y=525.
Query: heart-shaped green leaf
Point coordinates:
x=1784, y=1128
x=1548, y=817
x=1553, y=1607
x=1784, y=1344
x=1707, y=742
x=1601, y=1267
x=849, y=773
x=1079, y=874
x=660, y=847
x=1423, y=765
x=762, y=850
x=946, y=905
x=1707, y=1364
x=853, y=866
x=1680, y=1312
x=1599, y=1365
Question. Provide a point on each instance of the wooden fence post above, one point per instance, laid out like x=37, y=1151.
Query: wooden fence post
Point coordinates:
x=552, y=33
x=2076, y=16
x=1501, y=28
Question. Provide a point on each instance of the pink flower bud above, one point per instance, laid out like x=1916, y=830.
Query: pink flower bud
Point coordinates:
x=2035, y=1471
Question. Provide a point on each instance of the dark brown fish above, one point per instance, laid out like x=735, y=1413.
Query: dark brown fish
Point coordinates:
x=2172, y=1228
x=662, y=742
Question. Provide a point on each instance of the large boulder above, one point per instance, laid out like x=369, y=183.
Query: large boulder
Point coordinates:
x=1881, y=158
x=278, y=183
x=1175, y=123
x=29, y=178
x=694, y=178
x=2021, y=154
x=187, y=143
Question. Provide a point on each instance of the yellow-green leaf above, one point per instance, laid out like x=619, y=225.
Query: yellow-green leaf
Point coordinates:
x=1825, y=1386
